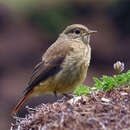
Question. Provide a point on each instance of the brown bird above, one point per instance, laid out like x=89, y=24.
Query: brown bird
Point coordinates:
x=64, y=65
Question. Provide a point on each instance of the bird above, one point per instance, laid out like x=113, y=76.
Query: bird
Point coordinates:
x=63, y=66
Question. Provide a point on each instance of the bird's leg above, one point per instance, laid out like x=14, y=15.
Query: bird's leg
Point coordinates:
x=55, y=95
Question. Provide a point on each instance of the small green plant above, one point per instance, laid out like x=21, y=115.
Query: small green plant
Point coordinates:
x=106, y=83
x=82, y=90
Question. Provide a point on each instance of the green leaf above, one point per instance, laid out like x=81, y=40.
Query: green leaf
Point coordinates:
x=82, y=90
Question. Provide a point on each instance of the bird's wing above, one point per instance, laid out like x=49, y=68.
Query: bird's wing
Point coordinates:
x=50, y=65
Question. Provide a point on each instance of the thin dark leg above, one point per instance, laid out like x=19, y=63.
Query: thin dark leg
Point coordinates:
x=56, y=95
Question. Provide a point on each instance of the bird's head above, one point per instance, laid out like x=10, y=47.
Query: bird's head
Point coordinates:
x=78, y=32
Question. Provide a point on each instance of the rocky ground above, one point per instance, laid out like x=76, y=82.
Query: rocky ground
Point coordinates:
x=98, y=111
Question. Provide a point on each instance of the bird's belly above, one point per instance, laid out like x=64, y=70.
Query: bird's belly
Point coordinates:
x=69, y=79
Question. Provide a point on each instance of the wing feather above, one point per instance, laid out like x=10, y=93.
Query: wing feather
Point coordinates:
x=49, y=66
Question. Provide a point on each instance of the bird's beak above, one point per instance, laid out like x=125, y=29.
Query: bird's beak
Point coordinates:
x=92, y=31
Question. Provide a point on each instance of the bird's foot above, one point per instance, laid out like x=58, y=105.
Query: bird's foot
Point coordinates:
x=69, y=96
x=65, y=98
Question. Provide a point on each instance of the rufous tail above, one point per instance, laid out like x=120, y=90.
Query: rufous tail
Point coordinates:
x=21, y=102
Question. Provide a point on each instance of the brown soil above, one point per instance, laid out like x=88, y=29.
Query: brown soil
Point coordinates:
x=99, y=111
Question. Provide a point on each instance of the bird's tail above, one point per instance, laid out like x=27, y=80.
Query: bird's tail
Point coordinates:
x=21, y=102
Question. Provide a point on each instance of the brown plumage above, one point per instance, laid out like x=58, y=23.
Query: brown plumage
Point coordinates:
x=64, y=65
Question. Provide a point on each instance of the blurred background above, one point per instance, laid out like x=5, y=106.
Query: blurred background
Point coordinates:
x=29, y=27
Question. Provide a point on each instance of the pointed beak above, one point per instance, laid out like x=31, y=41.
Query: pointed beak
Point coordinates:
x=92, y=31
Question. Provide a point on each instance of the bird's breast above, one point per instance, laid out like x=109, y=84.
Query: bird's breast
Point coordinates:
x=80, y=55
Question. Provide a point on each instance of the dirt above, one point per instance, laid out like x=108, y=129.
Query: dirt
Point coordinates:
x=98, y=111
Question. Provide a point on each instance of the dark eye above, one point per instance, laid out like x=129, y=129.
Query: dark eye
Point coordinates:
x=76, y=31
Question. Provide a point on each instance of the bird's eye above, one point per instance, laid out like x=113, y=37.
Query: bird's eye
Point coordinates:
x=76, y=31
